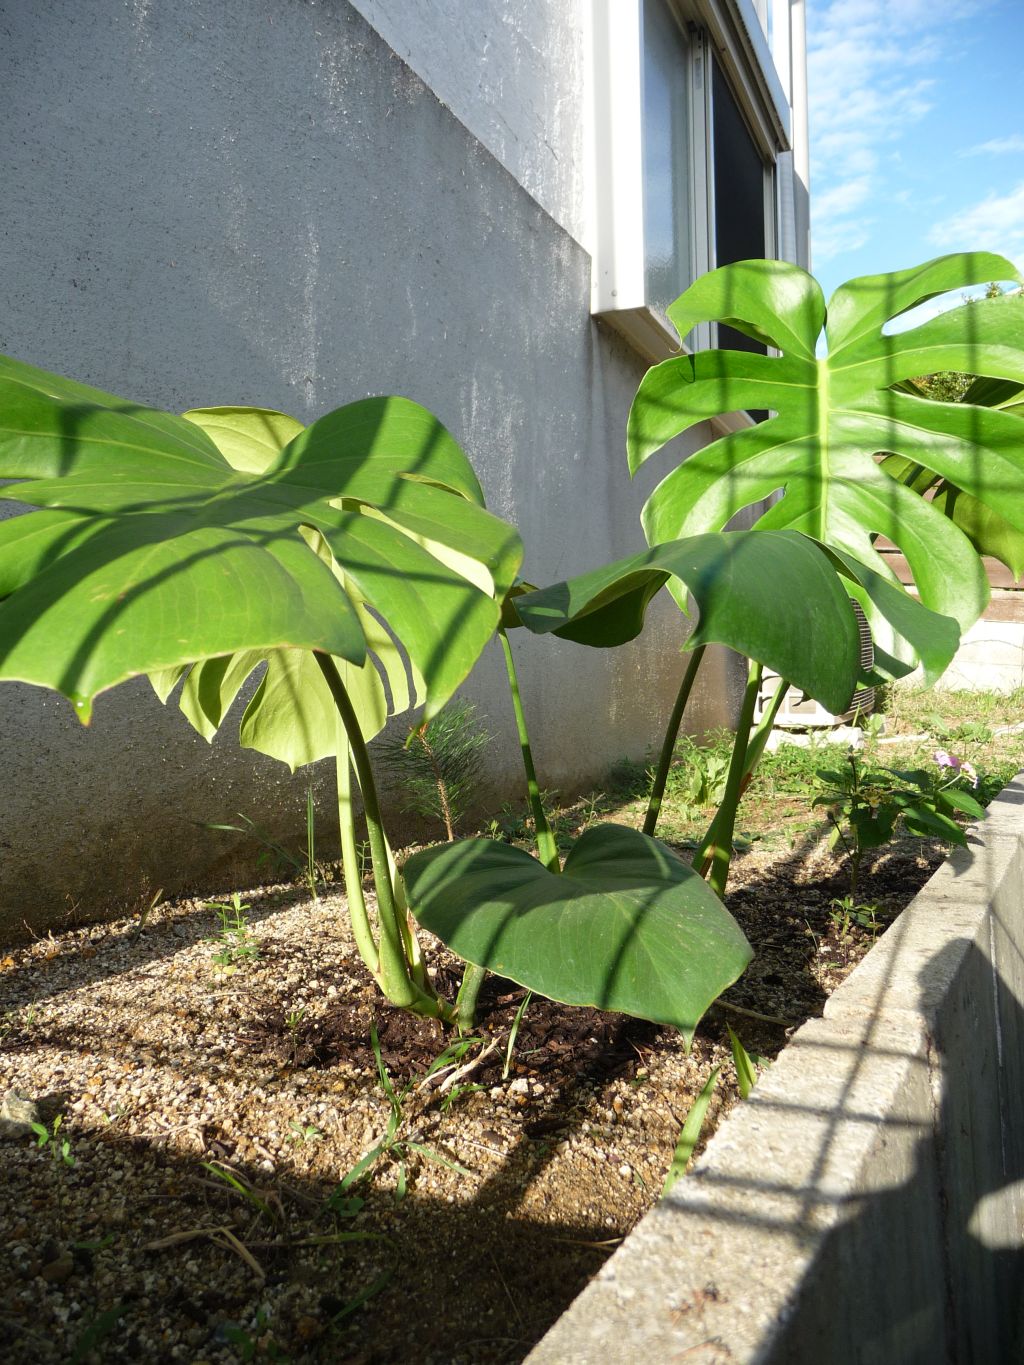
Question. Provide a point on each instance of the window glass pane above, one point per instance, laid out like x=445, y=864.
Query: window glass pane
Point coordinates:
x=666, y=156
x=739, y=194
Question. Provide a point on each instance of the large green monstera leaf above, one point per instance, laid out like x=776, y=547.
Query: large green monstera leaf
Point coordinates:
x=773, y=596
x=983, y=523
x=626, y=925
x=165, y=541
x=832, y=416
x=291, y=715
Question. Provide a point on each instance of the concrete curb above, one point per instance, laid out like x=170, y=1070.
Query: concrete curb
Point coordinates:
x=867, y=1203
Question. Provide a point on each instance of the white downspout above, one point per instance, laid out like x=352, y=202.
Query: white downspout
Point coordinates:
x=801, y=136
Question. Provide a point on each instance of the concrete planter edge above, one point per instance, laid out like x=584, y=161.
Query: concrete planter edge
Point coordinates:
x=867, y=1203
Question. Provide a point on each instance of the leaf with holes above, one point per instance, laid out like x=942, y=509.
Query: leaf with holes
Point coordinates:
x=833, y=415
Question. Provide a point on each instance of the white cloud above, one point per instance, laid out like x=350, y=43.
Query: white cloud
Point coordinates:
x=997, y=146
x=835, y=229
x=994, y=224
x=832, y=239
x=871, y=73
x=844, y=198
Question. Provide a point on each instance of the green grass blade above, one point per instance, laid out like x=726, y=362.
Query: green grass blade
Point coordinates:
x=357, y=1302
x=382, y=1071
x=361, y=1167
x=690, y=1134
x=429, y=1154
x=746, y=1072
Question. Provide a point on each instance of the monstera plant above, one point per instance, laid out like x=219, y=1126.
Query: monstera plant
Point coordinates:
x=833, y=414
x=206, y=545
x=848, y=449
x=354, y=564
x=624, y=923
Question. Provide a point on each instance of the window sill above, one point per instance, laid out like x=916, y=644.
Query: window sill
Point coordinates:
x=652, y=336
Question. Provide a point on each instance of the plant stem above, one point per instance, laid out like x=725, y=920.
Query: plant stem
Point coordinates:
x=841, y=837
x=311, y=847
x=546, y=847
x=417, y=965
x=395, y=972
x=755, y=751
x=362, y=930
x=442, y=788
x=760, y=733
x=465, y=1001
x=669, y=742
x=855, y=853
x=777, y=1019
x=720, y=851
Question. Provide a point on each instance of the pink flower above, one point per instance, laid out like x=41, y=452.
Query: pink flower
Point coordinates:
x=946, y=760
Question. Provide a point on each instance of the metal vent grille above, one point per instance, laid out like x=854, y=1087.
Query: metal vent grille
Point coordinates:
x=799, y=712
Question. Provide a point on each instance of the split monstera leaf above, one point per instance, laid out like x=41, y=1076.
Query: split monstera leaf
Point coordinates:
x=848, y=448
x=832, y=415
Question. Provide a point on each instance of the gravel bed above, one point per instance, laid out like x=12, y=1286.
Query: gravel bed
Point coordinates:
x=212, y=1108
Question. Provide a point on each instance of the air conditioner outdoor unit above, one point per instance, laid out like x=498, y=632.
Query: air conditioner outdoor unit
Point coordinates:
x=799, y=712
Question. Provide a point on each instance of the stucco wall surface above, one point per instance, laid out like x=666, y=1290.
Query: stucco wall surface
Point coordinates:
x=513, y=74
x=255, y=201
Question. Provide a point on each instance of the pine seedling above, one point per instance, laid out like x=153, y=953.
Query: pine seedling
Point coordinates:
x=439, y=764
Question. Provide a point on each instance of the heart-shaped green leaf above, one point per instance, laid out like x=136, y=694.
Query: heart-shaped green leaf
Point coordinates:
x=774, y=596
x=833, y=415
x=627, y=925
x=155, y=549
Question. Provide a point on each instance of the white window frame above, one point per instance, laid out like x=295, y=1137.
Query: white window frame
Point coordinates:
x=734, y=34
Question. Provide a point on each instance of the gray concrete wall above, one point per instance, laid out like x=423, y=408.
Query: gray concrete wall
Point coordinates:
x=513, y=74
x=865, y=1206
x=257, y=201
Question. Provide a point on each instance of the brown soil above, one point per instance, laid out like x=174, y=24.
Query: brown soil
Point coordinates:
x=519, y=1187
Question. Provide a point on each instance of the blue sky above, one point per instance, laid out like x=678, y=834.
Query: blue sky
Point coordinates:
x=917, y=132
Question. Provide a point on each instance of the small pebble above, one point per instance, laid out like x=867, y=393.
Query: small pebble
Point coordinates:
x=17, y=1114
x=59, y=1270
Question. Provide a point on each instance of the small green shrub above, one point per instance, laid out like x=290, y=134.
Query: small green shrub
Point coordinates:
x=696, y=780
x=865, y=804
x=234, y=935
